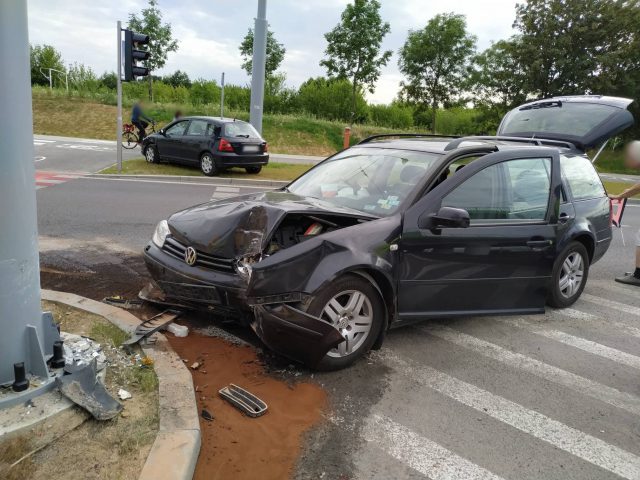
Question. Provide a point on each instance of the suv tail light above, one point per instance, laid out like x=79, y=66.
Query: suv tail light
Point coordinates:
x=266, y=147
x=224, y=146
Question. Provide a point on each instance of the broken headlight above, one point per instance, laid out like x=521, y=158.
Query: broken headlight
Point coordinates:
x=159, y=236
x=243, y=266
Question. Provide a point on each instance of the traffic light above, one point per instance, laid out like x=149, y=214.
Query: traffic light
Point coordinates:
x=132, y=55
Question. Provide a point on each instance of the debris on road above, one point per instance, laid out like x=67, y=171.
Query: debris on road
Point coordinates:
x=121, y=302
x=83, y=388
x=151, y=326
x=243, y=400
x=178, y=330
x=206, y=415
x=195, y=365
x=124, y=395
x=80, y=351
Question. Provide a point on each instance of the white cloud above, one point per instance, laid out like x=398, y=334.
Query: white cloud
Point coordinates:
x=210, y=31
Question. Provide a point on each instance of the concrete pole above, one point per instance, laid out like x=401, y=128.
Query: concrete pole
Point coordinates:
x=222, y=96
x=24, y=336
x=119, y=95
x=258, y=66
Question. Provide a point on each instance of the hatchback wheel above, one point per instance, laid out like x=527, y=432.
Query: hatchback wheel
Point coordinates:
x=151, y=154
x=254, y=170
x=569, y=276
x=353, y=306
x=208, y=165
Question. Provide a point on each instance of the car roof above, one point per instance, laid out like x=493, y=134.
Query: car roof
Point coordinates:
x=216, y=120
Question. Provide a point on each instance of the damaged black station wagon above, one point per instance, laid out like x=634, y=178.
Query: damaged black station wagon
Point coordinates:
x=395, y=230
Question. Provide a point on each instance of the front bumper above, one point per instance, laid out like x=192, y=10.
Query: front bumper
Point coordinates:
x=294, y=333
x=194, y=286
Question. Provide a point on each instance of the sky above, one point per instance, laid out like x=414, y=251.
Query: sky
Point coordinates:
x=210, y=31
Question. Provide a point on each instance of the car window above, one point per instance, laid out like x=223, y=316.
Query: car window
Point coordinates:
x=177, y=129
x=240, y=129
x=507, y=192
x=370, y=179
x=582, y=178
x=197, y=128
x=211, y=128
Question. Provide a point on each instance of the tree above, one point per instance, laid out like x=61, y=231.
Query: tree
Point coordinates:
x=497, y=78
x=109, y=80
x=177, y=79
x=44, y=57
x=275, y=53
x=161, y=41
x=435, y=61
x=82, y=77
x=353, y=47
x=330, y=99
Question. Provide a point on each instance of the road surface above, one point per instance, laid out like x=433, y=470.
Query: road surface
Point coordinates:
x=553, y=396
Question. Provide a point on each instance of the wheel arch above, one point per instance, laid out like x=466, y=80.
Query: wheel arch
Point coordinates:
x=386, y=291
x=588, y=241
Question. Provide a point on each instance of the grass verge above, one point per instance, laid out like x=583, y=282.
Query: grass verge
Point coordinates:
x=617, y=187
x=273, y=171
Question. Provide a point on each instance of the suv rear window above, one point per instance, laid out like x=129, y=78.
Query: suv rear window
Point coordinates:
x=582, y=178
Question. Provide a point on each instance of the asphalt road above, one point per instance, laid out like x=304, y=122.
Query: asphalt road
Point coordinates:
x=553, y=396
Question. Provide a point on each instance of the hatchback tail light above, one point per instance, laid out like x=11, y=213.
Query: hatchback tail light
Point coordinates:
x=266, y=147
x=224, y=146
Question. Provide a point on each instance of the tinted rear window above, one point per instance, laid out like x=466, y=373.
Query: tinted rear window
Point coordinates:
x=559, y=118
x=582, y=178
x=240, y=129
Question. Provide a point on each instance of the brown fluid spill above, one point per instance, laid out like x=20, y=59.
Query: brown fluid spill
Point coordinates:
x=236, y=446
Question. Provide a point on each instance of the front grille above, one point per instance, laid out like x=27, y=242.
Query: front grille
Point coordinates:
x=204, y=260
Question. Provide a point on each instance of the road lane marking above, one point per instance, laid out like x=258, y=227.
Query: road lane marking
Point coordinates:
x=583, y=385
x=220, y=195
x=605, y=302
x=587, y=317
x=420, y=453
x=580, y=343
x=228, y=189
x=561, y=436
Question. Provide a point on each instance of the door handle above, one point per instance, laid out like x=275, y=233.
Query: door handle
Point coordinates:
x=539, y=244
x=564, y=217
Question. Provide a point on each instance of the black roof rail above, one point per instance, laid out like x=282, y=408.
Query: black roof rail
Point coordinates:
x=405, y=135
x=534, y=141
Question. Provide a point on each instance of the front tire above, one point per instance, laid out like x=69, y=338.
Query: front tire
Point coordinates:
x=151, y=154
x=254, y=170
x=569, y=276
x=355, y=308
x=208, y=165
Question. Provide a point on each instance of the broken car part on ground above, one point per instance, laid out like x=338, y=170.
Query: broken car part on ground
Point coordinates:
x=393, y=231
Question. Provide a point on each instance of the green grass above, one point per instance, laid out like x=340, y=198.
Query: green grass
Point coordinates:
x=273, y=171
x=612, y=161
x=108, y=333
x=617, y=187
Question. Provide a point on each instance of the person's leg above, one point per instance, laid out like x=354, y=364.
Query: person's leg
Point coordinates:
x=634, y=277
x=143, y=129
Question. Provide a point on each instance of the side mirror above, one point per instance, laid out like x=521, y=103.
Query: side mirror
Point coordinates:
x=447, y=217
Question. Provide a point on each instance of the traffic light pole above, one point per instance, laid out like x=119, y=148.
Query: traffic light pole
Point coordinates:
x=119, y=91
x=26, y=334
x=258, y=66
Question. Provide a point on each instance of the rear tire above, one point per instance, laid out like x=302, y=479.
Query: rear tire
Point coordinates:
x=151, y=154
x=357, y=311
x=208, y=165
x=569, y=276
x=254, y=170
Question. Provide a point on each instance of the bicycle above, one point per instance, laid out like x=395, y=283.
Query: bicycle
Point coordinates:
x=130, y=138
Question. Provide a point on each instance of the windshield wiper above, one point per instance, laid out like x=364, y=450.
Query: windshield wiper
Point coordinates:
x=243, y=136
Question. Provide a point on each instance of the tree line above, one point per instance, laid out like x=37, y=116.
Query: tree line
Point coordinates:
x=559, y=47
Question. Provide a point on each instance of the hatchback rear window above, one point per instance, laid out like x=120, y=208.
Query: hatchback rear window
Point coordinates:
x=582, y=178
x=240, y=129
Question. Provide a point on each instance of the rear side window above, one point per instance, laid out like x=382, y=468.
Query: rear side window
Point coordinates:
x=240, y=129
x=582, y=178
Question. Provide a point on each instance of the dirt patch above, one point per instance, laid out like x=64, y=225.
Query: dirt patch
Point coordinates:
x=115, y=449
x=236, y=446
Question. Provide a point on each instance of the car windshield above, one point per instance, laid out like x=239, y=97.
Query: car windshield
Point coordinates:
x=556, y=117
x=240, y=129
x=372, y=180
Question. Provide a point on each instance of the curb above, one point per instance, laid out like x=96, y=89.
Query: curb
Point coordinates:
x=201, y=180
x=174, y=452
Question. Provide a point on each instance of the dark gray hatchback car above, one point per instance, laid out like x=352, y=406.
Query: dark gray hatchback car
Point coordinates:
x=212, y=143
x=396, y=230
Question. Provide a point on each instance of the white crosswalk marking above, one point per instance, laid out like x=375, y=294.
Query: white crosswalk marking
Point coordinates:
x=605, y=302
x=587, y=317
x=561, y=436
x=576, y=342
x=540, y=369
x=420, y=453
x=228, y=189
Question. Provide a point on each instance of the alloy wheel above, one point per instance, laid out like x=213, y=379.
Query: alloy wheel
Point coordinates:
x=571, y=275
x=206, y=164
x=351, y=313
x=150, y=155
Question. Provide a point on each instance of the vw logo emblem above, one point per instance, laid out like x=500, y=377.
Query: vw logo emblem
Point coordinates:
x=190, y=256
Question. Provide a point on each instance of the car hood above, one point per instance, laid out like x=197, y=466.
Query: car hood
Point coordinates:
x=241, y=226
